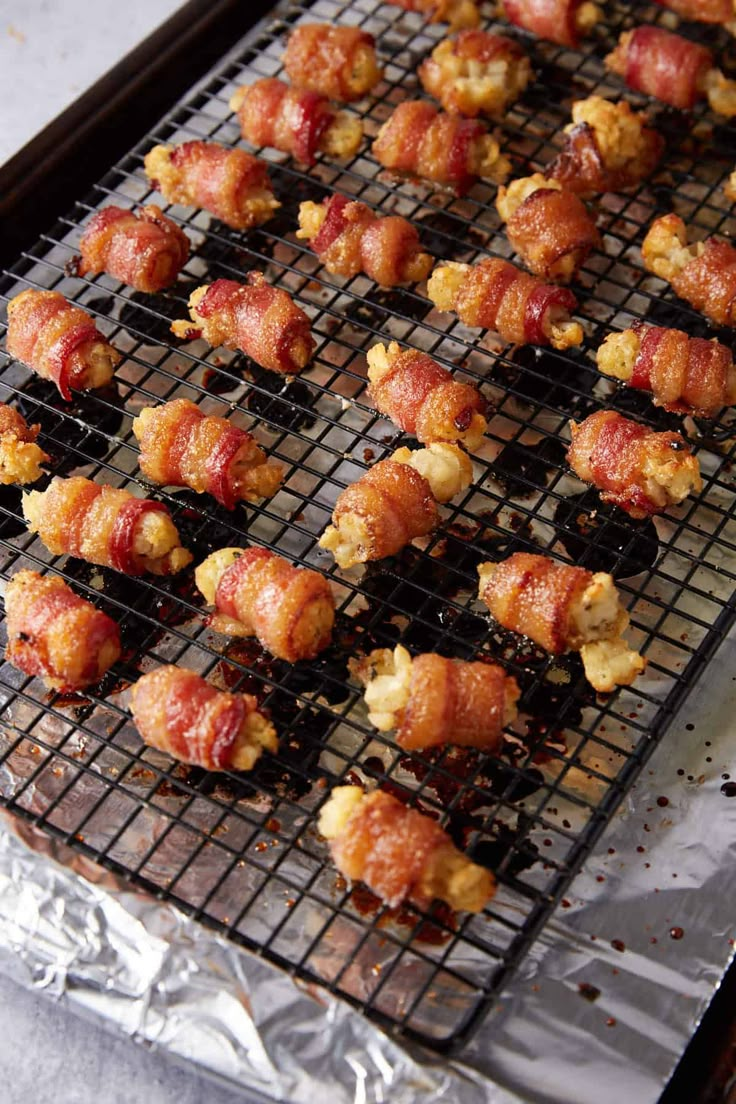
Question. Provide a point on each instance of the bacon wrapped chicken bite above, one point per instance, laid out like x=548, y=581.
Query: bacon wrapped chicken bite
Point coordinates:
x=55, y=634
x=420, y=141
x=290, y=610
x=399, y=853
x=562, y=21
x=496, y=295
x=704, y=274
x=607, y=147
x=422, y=398
x=349, y=237
x=394, y=502
x=458, y=13
x=430, y=700
x=729, y=188
x=476, y=73
x=295, y=121
x=671, y=68
x=143, y=249
x=635, y=468
x=337, y=62
x=563, y=609
x=59, y=342
x=548, y=226
x=704, y=11
x=231, y=183
x=179, y=713
x=262, y=321
x=105, y=525
x=181, y=446
x=20, y=457
x=686, y=375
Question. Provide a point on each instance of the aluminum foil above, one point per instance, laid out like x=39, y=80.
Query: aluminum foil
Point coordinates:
x=602, y=1009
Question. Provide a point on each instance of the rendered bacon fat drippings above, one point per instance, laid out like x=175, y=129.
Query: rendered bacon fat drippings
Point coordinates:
x=348, y=237
x=59, y=342
x=704, y=273
x=560, y=21
x=255, y=592
x=20, y=457
x=337, y=62
x=476, y=73
x=179, y=713
x=262, y=321
x=399, y=853
x=635, y=468
x=231, y=183
x=143, y=249
x=183, y=447
x=106, y=526
x=55, y=634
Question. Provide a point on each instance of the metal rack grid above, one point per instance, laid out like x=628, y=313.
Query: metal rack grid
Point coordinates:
x=242, y=853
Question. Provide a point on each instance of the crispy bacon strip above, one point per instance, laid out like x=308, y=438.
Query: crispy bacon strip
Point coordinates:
x=59, y=342
x=560, y=21
x=686, y=375
x=183, y=447
x=394, y=502
x=476, y=73
x=55, y=634
x=231, y=183
x=179, y=713
x=704, y=274
x=295, y=121
x=671, y=68
x=703, y=11
x=262, y=321
x=400, y=853
x=337, y=62
x=431, y=700
x=290, y=610
x=422, y=398
x=496, y=295
x=419, y=141
x=633, y=467
x=143, y=249
x=563, y=608
x=349, y=237
x=458, y=13
x=607, y=147
x=548, y=226
x=106, y=526
x=20, y=457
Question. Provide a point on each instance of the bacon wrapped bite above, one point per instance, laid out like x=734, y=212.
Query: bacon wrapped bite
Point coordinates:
x=422, y=398
x=145, y=250
x=20, y=457
x=181, y=446
x=55, y=634
x=548, y=226
x=394, y=502
x=105, y=525
x=262, y=321
x=349, y=237
x=430, y=700
x=671, y=68
x=562, y=21
x=419, y=141
x=399, y=853
x=458, y=13
x=704, y=11
x=635, y=468
x=496, y=295
x=231, y=183
x=686, y=375
x=295, y=121
x=476, y=73
x=607, y=147
x=337, y=62
x=59, y=342
x=179, y=713
x=563, y=609
x=704, y=274
x=290, y=610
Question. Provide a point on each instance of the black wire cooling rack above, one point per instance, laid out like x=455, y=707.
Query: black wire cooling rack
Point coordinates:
x=241, y=852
